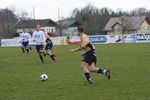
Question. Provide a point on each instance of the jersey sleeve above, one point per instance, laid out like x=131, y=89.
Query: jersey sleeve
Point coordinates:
x=20, y=35
x=33, y=36
x=44, y=37
x=29, y=36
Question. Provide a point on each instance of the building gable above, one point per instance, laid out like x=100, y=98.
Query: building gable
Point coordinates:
x=145, y=28
x=117, y=27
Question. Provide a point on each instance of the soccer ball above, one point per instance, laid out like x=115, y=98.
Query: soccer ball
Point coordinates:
x=43, y=77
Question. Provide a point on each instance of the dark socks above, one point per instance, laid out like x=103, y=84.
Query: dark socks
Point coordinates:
x=27, y=50
x=30, y=48
x=87, y=75
x=101, y=71
x=52, y=57
x=41, y=57
x=44, y=55
x=23, y=50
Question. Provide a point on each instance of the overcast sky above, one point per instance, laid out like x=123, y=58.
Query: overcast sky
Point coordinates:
x=49, y=8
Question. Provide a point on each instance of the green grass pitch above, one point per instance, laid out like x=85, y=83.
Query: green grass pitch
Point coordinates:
x=129, y=63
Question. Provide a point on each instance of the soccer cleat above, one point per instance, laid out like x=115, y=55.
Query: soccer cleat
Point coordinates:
x=42, y=62
x=54, y=58
x=88, y=82
x=108, y=75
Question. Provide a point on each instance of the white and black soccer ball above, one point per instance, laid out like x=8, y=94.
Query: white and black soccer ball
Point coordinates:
x=43, y=77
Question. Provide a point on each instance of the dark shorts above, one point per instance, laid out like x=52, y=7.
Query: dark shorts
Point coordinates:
x=39, y=47
x=90, y=57
x=49, y=46
x=25, y=44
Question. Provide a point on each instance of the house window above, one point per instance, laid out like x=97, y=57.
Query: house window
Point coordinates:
x=52, y=30
x=118, y=29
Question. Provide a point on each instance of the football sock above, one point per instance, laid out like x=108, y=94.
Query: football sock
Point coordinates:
x=52, y=56
x=87, y=75
x=41, y=57
x=101, y=71
x=30, y=48
x=27, y=50
x=23, y=50
x=44, y=55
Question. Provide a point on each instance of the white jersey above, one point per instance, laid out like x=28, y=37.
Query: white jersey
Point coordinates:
x=39, y=37
x=25, y=37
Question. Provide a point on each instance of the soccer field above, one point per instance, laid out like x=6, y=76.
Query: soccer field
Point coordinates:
x=129, y=64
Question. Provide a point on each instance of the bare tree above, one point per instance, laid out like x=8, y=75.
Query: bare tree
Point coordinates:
x=23, y=14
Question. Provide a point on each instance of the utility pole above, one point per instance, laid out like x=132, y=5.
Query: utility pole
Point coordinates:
x=122, y=24
x=60, y=30
x=34, y=13
x=34, y=18
x=8, y=21
x=122, y=17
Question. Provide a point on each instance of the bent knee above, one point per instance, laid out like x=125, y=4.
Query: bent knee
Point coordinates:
x=92, y=69
x=83, y=66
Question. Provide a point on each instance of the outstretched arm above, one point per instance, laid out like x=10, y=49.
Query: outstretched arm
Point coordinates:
x=77, y=49
x=84, y=42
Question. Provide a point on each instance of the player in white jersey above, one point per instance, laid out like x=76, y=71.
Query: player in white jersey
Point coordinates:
x=39, y=39
x=25, y=41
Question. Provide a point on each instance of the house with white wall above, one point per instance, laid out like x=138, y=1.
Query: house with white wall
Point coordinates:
x=68, y=27
x=47, y=24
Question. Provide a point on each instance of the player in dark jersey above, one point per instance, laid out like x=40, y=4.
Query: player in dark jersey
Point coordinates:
x=89, y=57
x=48, y=48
